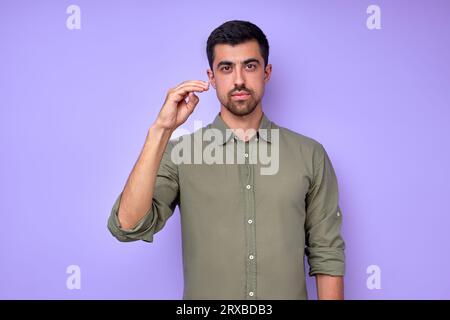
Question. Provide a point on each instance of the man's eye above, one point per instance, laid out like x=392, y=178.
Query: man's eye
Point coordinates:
x=226, y=68
x=251, y=66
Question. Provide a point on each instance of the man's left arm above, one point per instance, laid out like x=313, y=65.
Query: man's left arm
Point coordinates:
x=324, y=243
x=329, y=287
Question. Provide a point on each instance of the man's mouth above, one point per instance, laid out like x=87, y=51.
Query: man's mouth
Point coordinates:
x=241, y=95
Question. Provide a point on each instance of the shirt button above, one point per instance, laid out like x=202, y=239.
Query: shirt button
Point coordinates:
x=251, y=293
x=251, y=257
x=248, y=186
x=246, y=155
x=250, y=221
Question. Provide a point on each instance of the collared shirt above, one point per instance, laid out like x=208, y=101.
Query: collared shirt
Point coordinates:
x=245, y=231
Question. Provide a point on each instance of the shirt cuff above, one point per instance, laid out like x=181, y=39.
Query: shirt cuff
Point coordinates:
x=330, y=261
x=143, y=230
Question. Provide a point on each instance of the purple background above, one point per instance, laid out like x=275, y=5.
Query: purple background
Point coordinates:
x=75, y=107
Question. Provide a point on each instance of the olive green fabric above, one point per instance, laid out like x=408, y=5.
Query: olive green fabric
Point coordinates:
x=244, y=233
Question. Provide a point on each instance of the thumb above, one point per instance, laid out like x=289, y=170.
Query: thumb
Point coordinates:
x=193, y=101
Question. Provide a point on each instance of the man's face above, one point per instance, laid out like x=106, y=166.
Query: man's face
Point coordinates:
x=239, y=69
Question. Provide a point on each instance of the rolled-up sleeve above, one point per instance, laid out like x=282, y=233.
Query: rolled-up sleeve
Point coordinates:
x=165, y=200
x=324, y=243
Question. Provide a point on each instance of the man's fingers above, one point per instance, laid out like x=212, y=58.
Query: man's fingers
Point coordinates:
x=192, y=86
x=181, y=93
x=193, y=101
x=192, y=82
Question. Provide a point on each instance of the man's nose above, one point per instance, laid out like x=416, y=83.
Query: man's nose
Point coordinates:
x=239, y=77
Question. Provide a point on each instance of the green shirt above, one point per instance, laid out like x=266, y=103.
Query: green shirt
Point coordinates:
x=245, y=233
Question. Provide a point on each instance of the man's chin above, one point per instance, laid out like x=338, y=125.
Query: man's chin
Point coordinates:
x=241, y=110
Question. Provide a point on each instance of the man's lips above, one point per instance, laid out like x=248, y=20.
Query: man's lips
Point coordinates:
x=240, y=94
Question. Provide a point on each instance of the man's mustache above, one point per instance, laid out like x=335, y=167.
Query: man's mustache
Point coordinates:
x=240, y=91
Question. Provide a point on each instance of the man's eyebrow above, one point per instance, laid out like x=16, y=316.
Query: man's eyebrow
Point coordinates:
x=228, y=63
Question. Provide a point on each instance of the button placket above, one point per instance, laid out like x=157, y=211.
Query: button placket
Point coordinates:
x=250, y=228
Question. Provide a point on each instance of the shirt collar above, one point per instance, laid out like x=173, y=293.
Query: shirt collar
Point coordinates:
x=265, y=123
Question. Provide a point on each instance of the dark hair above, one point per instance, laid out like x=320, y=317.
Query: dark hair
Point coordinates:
x=235, y=32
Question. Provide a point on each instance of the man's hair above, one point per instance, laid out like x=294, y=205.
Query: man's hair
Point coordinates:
x=235, y=32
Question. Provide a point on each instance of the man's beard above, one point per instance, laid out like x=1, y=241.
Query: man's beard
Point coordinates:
x=241, y=107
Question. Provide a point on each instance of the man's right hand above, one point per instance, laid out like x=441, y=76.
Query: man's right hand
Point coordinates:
x=137, y=195
x=176, y=110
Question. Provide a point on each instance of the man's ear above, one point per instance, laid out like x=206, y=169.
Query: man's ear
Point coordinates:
x=267, y=72
x=211, y=78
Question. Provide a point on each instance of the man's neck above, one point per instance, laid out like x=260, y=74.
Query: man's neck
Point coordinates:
x=249, y=121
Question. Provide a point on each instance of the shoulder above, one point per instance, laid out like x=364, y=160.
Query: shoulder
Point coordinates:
x=308, y=146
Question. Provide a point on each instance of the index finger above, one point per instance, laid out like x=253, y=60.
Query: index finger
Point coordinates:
x=193, y=82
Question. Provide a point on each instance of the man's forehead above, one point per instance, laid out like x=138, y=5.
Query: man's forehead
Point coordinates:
x=236, y=53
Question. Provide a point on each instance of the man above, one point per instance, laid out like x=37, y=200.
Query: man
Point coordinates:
x=244, y=231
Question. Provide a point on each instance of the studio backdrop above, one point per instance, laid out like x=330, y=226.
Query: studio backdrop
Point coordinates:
x=82, y=81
